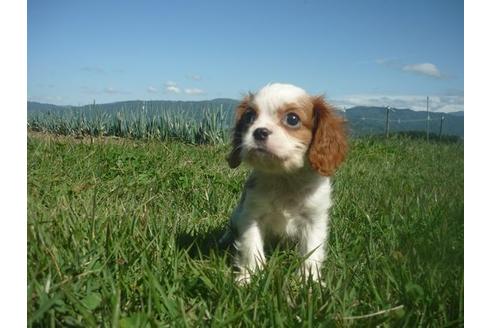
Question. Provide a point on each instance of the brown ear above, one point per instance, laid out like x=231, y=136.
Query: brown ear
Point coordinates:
x=329, y=144
x=234, y=158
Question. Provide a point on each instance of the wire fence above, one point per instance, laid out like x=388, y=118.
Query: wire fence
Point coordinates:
x=381, y=121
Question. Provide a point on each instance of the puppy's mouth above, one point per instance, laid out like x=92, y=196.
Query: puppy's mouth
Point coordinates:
x=263, y=152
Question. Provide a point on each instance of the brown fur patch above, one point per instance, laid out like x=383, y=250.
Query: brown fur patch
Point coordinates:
x=329, y=144
x=240, y=126
x=303, y=109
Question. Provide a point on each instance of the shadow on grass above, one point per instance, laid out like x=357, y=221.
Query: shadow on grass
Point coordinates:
x=204, y=244
x=200, y=245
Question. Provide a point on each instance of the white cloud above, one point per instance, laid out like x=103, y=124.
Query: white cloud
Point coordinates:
x=114, y=91
x=194, y=91
x=173, y=89
x=151, y=89
x=437, y=103
x=390, y=62
x=195, y=77
x=428, y=69
x=46, y=99
x=108, y=90
x=387, y=62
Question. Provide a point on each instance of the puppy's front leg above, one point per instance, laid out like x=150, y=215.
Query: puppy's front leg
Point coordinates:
x=312, y=247
x=250, y=251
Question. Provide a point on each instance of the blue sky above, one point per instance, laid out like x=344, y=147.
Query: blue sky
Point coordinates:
x=370, y=52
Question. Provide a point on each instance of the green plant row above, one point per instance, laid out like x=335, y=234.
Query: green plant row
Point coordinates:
x=206, y=126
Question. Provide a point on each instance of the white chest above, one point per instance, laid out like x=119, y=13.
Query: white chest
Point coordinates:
x=285, y=210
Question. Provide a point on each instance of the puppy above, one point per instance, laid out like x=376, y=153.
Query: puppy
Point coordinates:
x=293, y=142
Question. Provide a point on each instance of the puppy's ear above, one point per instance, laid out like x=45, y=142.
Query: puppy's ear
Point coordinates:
x=329, y=143
x=234, y=158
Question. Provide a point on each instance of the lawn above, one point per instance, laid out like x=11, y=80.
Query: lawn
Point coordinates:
x=123, y=233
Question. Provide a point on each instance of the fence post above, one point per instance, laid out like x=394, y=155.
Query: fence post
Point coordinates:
x=440, y=128
x=387, y=121
x=428, y=117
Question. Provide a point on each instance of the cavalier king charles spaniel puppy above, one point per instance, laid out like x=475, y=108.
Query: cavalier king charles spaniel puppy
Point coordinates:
x=293, y=142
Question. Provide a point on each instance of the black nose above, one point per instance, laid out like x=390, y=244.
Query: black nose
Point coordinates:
x=261, y=134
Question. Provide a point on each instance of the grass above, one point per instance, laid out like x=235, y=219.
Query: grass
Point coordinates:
x=122, y=233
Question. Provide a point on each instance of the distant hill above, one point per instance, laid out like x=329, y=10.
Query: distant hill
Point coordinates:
x=460, y=113
x=227, y=104
x=362, y=120
x=33, y=106
x=372, y=120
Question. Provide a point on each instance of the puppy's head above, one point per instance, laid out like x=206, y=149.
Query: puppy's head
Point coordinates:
x=281, y=129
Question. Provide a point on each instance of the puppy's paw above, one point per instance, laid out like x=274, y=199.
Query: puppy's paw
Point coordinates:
x=243, y=278
x=307, y=272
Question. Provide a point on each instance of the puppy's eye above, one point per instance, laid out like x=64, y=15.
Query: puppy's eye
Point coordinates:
x=249, y=116
x=292, y=120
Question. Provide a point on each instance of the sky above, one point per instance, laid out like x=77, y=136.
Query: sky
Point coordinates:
x=367, y=52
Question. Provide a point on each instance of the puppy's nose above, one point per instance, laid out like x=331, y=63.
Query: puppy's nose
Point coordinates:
x=261, y=134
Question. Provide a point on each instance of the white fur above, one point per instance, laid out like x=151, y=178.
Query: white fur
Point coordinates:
x=284, y=196
x=294, y=206
x=273, y=96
